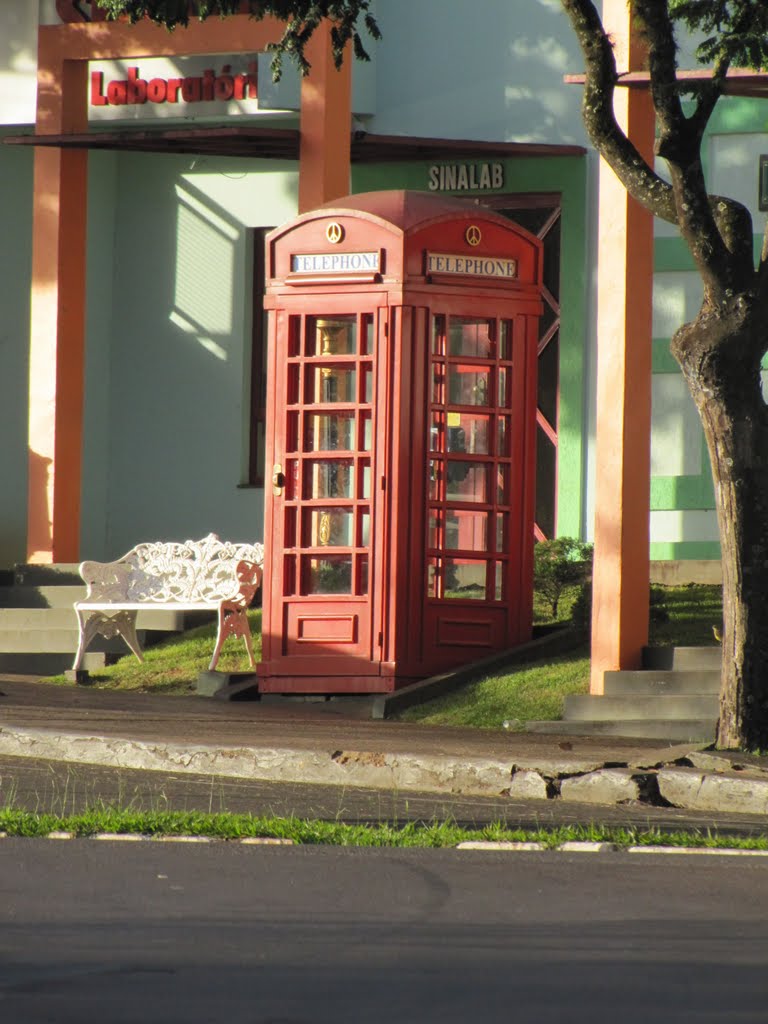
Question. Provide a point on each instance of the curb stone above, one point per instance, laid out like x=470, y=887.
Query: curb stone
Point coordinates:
x=727, y=790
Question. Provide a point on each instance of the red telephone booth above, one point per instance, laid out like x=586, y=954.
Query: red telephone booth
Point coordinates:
x=400, y=438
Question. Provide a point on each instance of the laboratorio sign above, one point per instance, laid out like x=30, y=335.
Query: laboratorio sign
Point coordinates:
x=207, y=87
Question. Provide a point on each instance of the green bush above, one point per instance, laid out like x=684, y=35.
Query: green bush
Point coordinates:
x=559, y=564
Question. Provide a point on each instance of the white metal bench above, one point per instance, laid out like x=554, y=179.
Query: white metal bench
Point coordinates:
x=203, y=575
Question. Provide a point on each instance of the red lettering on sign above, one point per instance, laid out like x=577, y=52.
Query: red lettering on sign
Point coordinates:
x=191, y=90
x=97, y=98
x=116, y=93
x=136, y=91
x=157, y=90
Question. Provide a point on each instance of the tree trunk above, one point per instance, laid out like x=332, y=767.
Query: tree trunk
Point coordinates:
x=720, y=358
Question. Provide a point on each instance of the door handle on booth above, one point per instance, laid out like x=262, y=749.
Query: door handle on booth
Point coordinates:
x=278, y=479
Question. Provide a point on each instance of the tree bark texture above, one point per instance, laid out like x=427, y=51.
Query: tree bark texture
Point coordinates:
x=719, y=354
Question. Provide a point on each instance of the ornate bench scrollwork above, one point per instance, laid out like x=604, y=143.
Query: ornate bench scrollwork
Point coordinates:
x=209, y=575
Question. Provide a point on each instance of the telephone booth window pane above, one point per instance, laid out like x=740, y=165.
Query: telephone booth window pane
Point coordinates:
x=294, y=336
x=499, y=587
x=436, y=432
x=289, y=575
x=329, y=527
x=501, y=532
x=332, y=336
x=433, y=578
x=365, y=480
x=503, y=388
x=362, y=570
x=468, y=432
x=367, y=346
x=433, y=531
x=469, y=385
x=366, y=432
x=466, y=531
x=502, y=485
x=468, y=337
x=438, y=383
x=367, y=373
x=438, y=335
x=293, y=385
x=290, y=527
x=466, y=481
x=331, y=384
x=505, y=340
x=365, y=528
x=292, y=432
x=329, y=432
x=331, y=479
x=465, y=579
x=502, y=444
x=329, y=574
x=291, y=480
x=435, y=475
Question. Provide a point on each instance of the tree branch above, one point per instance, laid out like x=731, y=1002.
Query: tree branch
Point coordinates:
x=600, y=121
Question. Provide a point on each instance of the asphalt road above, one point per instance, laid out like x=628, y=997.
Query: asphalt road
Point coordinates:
x=68, y=788
x=175, y=934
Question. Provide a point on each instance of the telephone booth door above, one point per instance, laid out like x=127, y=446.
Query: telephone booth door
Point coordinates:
x=323, y=508
x=480, y=378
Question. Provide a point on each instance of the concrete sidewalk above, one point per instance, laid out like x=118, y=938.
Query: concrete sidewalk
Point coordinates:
x=332, y=743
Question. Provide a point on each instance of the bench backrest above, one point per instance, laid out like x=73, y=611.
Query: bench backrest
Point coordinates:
x=188, y=572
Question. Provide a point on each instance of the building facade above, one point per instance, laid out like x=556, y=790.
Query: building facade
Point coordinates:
x=180, y=193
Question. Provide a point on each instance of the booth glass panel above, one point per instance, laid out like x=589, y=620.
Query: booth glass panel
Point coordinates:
x=327, y=574
x=468, y=385
x=332, y=336
x=465, y=580
x=466, y=481
x=470, y=337
x=505, y=340
x=329, y=479
x=466, y=531
x=328, y=527
x=499, y=582
x=329, y=432
x=330, y=385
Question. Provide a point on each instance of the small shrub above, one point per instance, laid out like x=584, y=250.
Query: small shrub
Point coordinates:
x=559, y=564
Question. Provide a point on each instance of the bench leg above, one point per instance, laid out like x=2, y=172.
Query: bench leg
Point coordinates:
x=102, y=624
x=233, y=621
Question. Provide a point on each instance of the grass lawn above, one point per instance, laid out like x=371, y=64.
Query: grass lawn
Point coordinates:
x=530, y=692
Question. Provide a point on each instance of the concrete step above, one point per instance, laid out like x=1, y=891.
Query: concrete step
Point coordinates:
x=22, y=619
x=47, y=664
x=697, y=730
x=54, y=641
x=583, y=707
x=41, y=597
x=685, y=658
x=660, y=683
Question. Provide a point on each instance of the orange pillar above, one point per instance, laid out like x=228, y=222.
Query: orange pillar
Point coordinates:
x=326, y=123
x=57, y=316
x=622, y=483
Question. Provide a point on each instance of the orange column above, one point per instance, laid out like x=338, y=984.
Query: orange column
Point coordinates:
x=622, y=482
x=57, y=316
x=326, y=123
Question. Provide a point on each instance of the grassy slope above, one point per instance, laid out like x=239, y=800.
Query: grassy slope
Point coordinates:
x=534, y=691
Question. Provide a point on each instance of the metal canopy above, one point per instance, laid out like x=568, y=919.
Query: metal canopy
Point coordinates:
x=283, y=144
